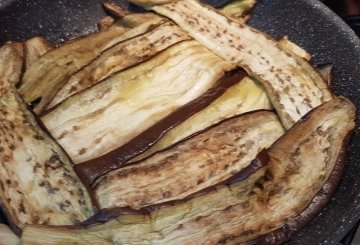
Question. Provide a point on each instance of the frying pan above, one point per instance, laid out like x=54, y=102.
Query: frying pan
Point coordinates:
x=307, y=22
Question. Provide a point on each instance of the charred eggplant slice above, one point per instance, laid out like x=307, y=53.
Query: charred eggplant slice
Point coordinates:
x=120, y=108
x=293, y=89
x=298, y=165
x=49, y=73
x=247, y=95
x=121, y=56
x=194, y=164
x=37, y=182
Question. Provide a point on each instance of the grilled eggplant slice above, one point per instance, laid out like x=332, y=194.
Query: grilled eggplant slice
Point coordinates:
x=115, y=10
x=116, y=110
x=247, y=95
x=288, y=45
x=105, y=22
x=12, y=54
x=194, y=164
x=293, y=89
x=37, y=182
x=239, y=10
x=121, y=56
x=35, y=48
x=7, y=237
x=49, y=73
x=236, y=212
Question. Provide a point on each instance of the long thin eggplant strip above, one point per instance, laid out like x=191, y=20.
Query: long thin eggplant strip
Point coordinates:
x=194, y=164
x=292, y=92
x=122, y=56
x=115, y=111
x=300, y=163
x=245, y=96
x=51, y=71
x=238, y=10
x=37, y=180
x=35, y=48
x=12, y=55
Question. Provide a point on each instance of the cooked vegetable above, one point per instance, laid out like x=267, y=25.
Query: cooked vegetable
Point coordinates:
x=245, y=96
x=326, y=72
x=35, y=48
x=121, y=56
x=238, y=10
x=194, y=164
x=286, y=44
x=105, y=22
x=7, y=237
x=49, y=73
x=12, y=55
x=115, y=10
x=299, y=164
x=37, y=182
x=293, y=88
x=120, y=108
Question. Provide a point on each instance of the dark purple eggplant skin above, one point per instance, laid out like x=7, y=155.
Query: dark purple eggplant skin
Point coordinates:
x=91, y=170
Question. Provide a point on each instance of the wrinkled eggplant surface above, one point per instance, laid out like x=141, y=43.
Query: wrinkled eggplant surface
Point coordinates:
x=293, y=89
x=37, y=182
x=49, y=73
x=204, y=160
x=121, y=56
x=120, y=108
x=298, y=165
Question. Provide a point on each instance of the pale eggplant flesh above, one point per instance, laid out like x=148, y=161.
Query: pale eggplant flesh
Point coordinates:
x=49, y=73
x=7, y=236
x=203, y=160
x=120, y=57
x=12, y=54
x=115, y=111
x=37, y=182
x=291, y=179
x=293, y=89
x=245, y=96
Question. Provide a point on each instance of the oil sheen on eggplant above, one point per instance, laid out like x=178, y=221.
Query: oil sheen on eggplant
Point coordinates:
x=299, y=164
x=49, y=73
x=37, y=182
x=293, y=89
x=116, y=110
x=191, y=165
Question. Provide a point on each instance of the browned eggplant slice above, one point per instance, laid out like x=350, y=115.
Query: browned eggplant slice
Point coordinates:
x=247, y=95
x=326, y=72
x=194, y=164
x=105, y=22
x=294, y=89
x=299, y=164
x=288, y=45
x=115, y=111
x=12, y=54
x=37, y=182
x=239, y=10
x=49, y=73
x=115, y=9
x=35, y=48
x=7, y=237
x=121, y=56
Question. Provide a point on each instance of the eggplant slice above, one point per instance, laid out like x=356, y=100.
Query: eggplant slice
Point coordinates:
x=194, y=164
x=293, y=89
x=247, y=95
x=121, y=56
x=115, y=111
x=299, y=164
x=7, y=237
x=12, y=54
x=35, y=48
x=49, y=73
x=37, y=182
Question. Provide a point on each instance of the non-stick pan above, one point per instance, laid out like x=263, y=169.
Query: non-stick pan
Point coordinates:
x=307, y=22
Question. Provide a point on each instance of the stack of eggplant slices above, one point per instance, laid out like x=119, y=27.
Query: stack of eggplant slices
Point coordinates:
x=181, y=125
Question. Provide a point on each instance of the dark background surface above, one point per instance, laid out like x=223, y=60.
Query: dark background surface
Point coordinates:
x=306, y=22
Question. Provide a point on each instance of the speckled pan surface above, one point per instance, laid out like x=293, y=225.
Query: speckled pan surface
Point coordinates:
x=307, y=22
